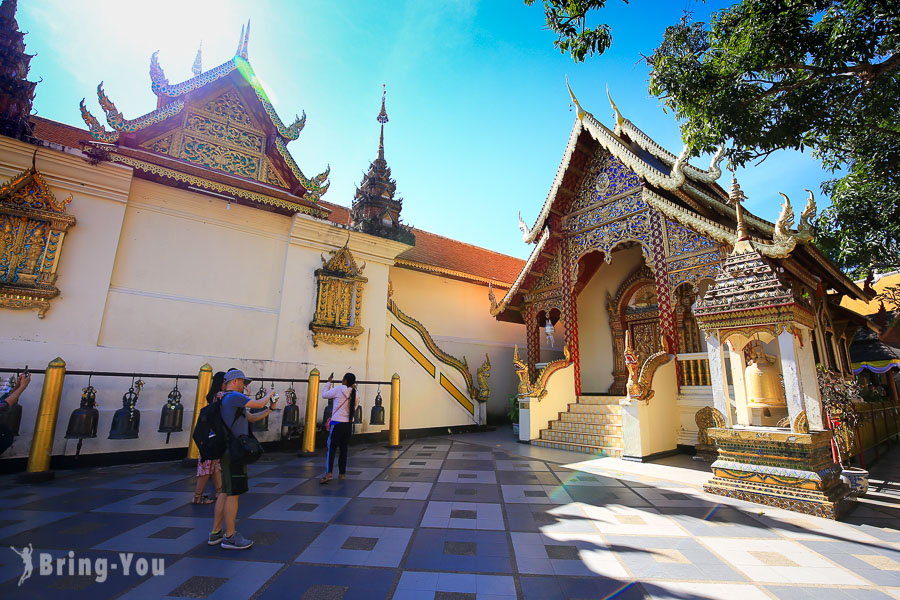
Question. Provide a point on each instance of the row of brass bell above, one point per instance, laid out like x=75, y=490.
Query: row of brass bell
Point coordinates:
x=376, y=417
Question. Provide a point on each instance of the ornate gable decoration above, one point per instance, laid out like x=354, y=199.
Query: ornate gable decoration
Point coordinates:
x=33, y=223
x=221, y=133
x=339, y=302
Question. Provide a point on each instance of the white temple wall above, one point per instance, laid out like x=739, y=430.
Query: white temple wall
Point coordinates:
x=194, y=275
x=594, y=333
x=456, y=315
x=99, y=195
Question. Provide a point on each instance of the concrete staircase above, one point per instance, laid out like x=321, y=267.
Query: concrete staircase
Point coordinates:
x=592, y=425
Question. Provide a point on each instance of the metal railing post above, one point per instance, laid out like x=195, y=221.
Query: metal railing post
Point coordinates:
x=394, y=434
x=312, y=403
x=204, y=381
x=38, y=468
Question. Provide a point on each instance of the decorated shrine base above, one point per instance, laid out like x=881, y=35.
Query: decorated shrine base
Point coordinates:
x=775, y=467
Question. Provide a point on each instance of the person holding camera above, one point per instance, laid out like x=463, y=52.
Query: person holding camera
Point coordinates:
x=8, y=399
x=237, y=418
x=339, y=426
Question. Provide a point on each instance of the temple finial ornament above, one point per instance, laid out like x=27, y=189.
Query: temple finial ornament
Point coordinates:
x=804, y=229
x=157, y=76
x=197, y=67
x=240, y=46
x=785, y=220
x=620, y=120
x=523, y=227
x=382, y=118
x=245, y=49
x=578, y=110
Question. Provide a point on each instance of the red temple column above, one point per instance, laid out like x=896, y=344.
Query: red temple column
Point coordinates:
x=532, y=340
x=661, y=273
x=570, y=312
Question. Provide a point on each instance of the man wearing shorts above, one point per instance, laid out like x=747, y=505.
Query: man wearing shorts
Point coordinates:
x=234, y=476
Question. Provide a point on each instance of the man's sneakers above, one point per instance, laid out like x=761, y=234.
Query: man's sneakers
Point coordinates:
x=215, y=537
x=235, y=542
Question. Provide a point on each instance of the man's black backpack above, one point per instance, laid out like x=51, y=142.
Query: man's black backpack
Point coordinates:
x=209, y=433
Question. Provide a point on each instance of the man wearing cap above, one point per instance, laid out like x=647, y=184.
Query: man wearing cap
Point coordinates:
x=234, y=477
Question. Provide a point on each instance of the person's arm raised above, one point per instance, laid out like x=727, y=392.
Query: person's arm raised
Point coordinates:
x=13, y=397
x=254, y=403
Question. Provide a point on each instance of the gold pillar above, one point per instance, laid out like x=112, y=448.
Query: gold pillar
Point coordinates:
x=38, y=468
x=394, y=434
x=204, y=381
x=312, y=403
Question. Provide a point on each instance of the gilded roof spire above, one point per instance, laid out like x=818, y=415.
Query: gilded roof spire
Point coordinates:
x=736, y=197
x=197, y=67
x=382, y=118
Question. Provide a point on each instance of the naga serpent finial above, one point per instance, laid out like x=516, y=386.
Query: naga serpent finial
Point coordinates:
x=157, y=76
x=579, y=111
x=98, y=132
x=714, y=171
x=805, y=229
x=523, y=227
x=785, y=220
x=619, y=118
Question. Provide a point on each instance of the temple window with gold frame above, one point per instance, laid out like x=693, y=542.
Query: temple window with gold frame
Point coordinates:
x=340, y=287
x=33, y=224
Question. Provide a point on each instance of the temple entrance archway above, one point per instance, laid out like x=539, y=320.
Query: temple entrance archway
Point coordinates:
x=634, y=309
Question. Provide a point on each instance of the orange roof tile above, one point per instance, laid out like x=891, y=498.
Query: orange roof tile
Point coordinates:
x=59, y=133
x=438, y=251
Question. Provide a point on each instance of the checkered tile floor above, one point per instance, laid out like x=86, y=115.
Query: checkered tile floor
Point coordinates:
x=438, y=519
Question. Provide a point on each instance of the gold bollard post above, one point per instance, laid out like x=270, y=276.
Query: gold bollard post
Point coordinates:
x=312, y=405
x=204, y=381
x=394, y=433
x=38, y=468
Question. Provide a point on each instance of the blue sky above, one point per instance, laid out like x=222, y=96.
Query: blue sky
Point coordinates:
x=479, y=112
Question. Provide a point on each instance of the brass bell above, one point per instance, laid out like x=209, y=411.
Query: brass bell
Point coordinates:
x=127, y=420
x=172, y=415
x=762, y=379
x=357, y=414
x=84, y=419
x=262, y=424
x=377, y=415
x=291, y=416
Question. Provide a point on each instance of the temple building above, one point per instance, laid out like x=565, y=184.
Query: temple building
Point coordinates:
x=655, y=306
x=190, y=235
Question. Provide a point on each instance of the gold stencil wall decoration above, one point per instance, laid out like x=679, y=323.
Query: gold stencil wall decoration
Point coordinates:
x=33, y=224
x=340, y=287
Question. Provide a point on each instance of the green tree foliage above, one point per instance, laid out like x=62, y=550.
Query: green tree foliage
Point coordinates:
x=767, y=75
x=568, y=20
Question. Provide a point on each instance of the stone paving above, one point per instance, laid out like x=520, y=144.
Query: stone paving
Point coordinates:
x=445, y=519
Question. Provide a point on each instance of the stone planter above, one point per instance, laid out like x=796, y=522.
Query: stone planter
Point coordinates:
x=857, y=479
